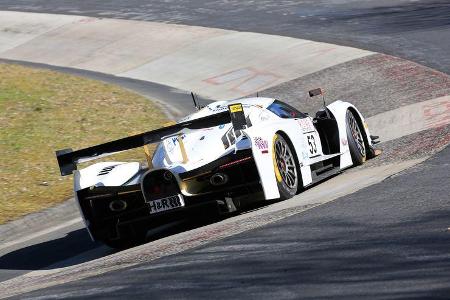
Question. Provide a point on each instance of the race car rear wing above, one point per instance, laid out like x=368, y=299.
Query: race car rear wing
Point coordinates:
x=68, y=159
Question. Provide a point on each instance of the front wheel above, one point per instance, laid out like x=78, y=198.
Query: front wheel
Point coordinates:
x=285, y=166
x=355, y=139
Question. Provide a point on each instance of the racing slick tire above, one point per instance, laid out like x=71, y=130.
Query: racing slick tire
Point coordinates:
x=355, y=139
x=286, y=167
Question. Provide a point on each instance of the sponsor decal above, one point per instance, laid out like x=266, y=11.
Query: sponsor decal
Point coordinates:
x=221, y=108
x=262, y=145
x=218, y=108
x=304, y=155
x=306, y=125
x=171, y=143
x=175, y=139
x=235, y=108
x=237, y=117
x=264, y=116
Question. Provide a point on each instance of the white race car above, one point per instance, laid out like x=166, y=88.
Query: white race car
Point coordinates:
x=215, y=161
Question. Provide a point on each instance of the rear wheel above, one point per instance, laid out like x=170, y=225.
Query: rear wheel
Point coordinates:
x=285, y=166
x=355, y=139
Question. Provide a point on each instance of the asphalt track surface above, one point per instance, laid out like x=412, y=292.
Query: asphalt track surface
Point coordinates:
x=416, y=30
x=386, y=241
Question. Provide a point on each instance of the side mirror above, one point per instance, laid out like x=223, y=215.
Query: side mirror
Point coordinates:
x=316, y=92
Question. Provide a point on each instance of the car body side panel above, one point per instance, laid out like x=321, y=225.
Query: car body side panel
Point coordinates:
x=262, y=150
x=86, y=222
x=306, y=175
x=93, y=176
x=262, y=138
x=309, y=147
x=298, y=136
x=365, y=125
x=339, y=109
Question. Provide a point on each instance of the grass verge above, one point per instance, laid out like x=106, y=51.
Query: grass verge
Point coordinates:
x=42, y=111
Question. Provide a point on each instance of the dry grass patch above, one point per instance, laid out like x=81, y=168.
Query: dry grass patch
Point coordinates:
x=42, y=111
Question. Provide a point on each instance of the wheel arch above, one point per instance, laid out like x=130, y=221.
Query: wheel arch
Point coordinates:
x=297, y=162
x=339, y=109
x=362, y=125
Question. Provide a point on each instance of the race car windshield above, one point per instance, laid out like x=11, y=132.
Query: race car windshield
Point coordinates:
x=284, y=110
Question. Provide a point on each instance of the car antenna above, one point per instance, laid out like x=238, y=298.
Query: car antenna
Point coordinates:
x=195, y=102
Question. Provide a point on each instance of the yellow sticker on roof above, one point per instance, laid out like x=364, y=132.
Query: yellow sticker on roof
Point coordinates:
x=235, y=108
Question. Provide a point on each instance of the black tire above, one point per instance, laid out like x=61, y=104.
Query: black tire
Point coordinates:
x=355, y=139
x=286, y=168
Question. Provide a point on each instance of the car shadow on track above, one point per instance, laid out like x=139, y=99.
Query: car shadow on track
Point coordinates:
x=54, y=252
x=76, y=247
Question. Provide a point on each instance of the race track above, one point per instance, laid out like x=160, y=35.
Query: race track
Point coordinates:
x=378, y=243
x=378, y=238
x=414, y=30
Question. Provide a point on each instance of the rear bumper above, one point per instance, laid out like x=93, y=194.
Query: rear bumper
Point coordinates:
x=118, y=227
x=105, y=224
x=202, y=198
x=238, y=168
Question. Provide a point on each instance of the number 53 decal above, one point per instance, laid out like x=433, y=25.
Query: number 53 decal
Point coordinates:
x=312, y=144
